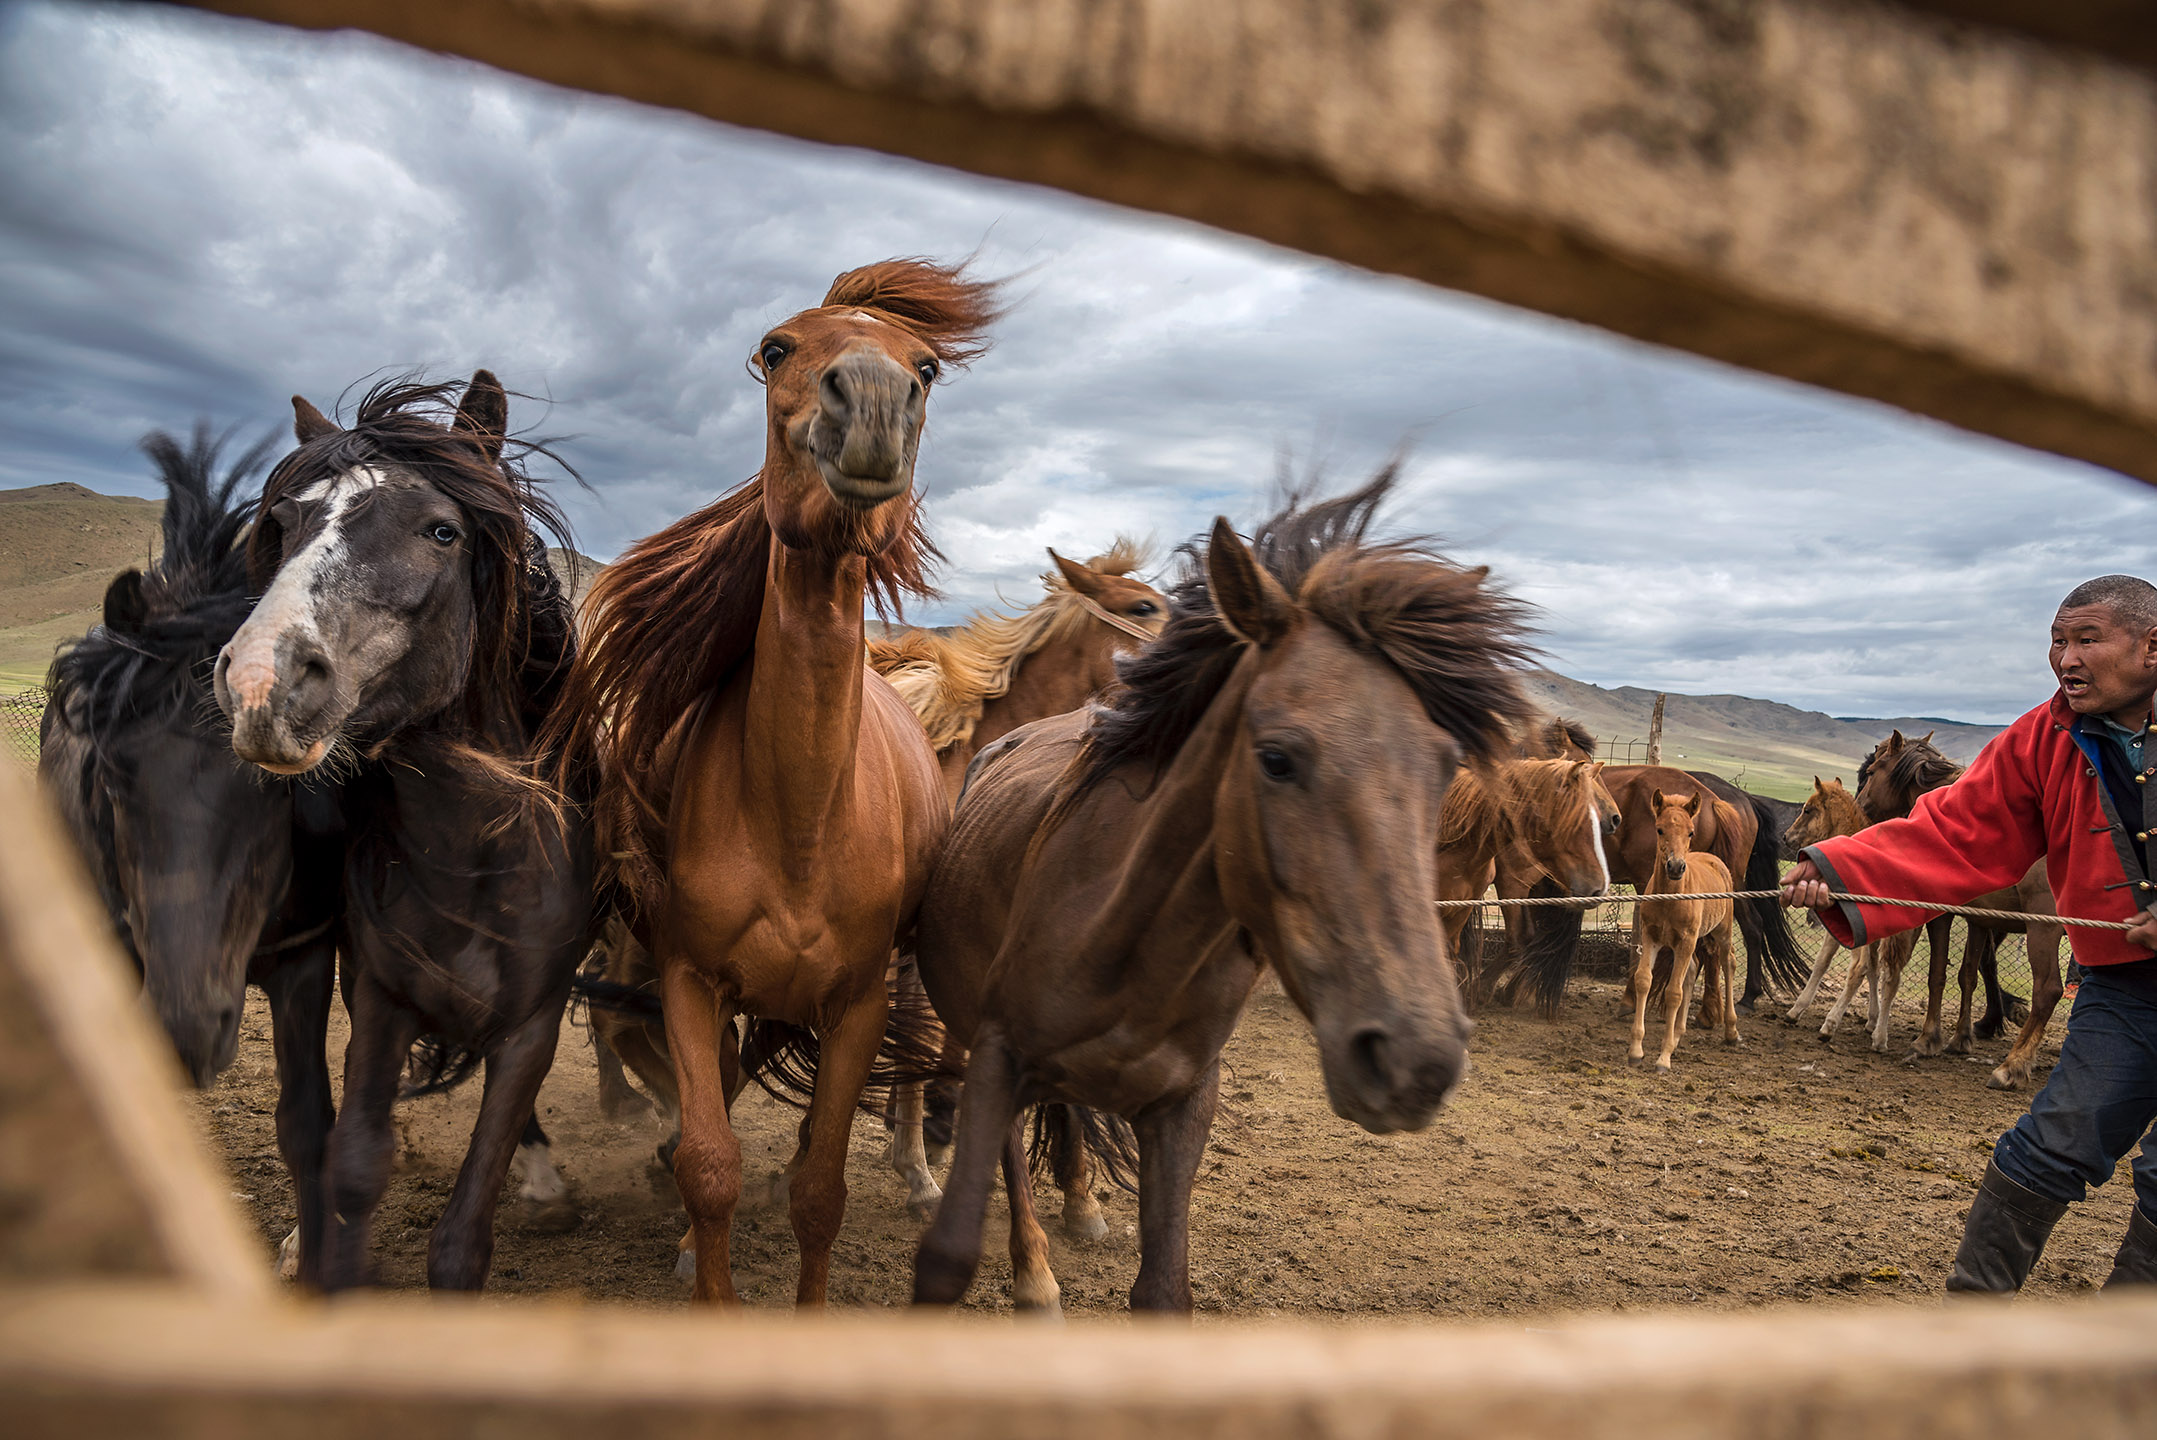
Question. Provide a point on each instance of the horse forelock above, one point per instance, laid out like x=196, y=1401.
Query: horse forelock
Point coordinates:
x=1457, y=642
x=949, y=312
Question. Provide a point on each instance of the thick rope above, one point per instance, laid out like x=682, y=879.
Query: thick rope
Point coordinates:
x=1974, y=912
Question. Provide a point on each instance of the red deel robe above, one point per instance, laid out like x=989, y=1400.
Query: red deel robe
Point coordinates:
x=2032, y=794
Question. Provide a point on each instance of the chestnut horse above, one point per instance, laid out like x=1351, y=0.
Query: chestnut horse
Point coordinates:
x=771, y=804
x=1685, y=927
x=1829, y=811
x=1263, y=787
x=1527, y=821
x=410, y=641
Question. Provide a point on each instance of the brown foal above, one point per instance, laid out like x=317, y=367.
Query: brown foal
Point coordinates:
x=1687, y=928
x=778, y=843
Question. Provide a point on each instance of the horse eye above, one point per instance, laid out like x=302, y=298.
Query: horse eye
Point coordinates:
x=1276, y=764
x=773, y=352
x=443, y=535
x=929, y=370
x=1143, y=607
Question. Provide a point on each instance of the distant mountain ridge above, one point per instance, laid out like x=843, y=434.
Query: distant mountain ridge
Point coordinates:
x=61, y=544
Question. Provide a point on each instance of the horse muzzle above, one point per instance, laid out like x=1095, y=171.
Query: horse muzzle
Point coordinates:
x=1388, y=1075
x=869, y=413
x=277, y=693
x=1674, y=869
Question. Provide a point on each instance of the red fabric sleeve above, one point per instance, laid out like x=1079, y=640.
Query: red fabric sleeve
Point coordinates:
x=1961, y=841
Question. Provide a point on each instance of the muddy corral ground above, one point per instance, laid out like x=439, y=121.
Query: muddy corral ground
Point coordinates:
x=1557, y=1179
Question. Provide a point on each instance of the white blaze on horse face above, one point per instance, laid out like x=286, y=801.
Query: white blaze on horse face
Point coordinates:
x=1595, y=828
x=288, y=605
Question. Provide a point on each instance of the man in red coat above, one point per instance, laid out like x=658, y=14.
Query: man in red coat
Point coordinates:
x=2068, y=783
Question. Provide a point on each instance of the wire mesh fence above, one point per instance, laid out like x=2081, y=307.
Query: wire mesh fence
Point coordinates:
x=20, y=715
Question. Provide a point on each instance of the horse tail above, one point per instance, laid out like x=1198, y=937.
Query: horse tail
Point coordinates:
x=436, y=1065
x=1061, y=1131
x=782, y=1058
x=596, y=993
x=1782, y=965
x=1553, y=940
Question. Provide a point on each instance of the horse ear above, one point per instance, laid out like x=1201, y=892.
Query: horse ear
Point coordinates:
x=483, y=413
x=125, y=608
x=1691, y=804
x=1817, y=785
x=1655, y=801
x=1926, y=738
x=1077, y=576
x=1245, y=594
x=309, y=423
x=1895, y=742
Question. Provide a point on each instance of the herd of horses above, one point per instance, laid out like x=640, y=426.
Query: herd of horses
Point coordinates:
x=348, y=735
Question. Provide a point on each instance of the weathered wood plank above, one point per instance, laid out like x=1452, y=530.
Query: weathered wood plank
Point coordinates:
x=99, y=1171
x=155, y=1361
x=1956, y=220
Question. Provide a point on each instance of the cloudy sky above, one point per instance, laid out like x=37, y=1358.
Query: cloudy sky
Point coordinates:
x=201, y=216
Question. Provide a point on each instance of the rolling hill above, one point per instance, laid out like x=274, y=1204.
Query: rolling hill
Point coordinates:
x=61, y=544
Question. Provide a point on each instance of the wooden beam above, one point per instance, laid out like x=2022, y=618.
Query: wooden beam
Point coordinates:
x=144, y=1362
x=100, y=1171
x=1950, y=218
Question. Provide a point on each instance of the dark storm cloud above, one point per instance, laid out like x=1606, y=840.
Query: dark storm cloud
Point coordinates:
x=201, y=216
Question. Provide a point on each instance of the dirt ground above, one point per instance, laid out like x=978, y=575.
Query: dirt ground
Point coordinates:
x=1556, y=1179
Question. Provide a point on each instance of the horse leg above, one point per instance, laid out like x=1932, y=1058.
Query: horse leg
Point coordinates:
x=1828, y=946
x=1860, y=972
x=1756, y=949
x=950, y=1249
x=1171, y=1140
x=1033, y=1284
x=1889, y=959
x=461, y=1250
x=637, y=1048
x=355, y=1166
x=1724, y=958
x=299, y=990
x=2047, y=985
x=1677, y=995
x=906, y=1154
x=1930, y=1040
x=1082, y=1218
x=1636, y=990
x=707, y=1163
x=816, y=1201
x=1977, y=946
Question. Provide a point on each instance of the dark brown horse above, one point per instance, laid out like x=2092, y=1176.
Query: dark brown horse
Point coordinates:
x=975, y=686
x=411, y=639
x=1262, y=788
x=215, y=878
x=1889, y=782
x=775, y=805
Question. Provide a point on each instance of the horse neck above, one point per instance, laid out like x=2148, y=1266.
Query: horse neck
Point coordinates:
x=1166, y=914
x=803, y=721
x=1054, y=680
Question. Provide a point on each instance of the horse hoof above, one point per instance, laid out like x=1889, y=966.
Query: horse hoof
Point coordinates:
x=1662, y=1067
x=938, y=1156
x=2001, y=1080
x=923, y=1206
x=685, y=1265
x=288, y=1256
x=549, y=1217
x=1085, y=1229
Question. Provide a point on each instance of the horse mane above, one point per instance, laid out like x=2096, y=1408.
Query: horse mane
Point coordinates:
x=1541, y=798
x=1551, y=734
x=1456, y=642
x=1914, y=769
x=948, y=680
x=1470, y=816
x=950, y=313
x=523, y=634
x=194, y=596
x=668, y=623
x=1839, y=806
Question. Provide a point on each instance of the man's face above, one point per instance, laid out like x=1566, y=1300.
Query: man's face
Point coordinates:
x=2103, y=665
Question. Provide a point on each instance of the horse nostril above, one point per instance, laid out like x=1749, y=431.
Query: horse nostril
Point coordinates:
x=831, y=392
x=1367, y=1048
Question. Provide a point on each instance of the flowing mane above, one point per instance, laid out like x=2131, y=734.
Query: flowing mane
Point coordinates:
x=192, y=598
x=1471, y=816
x=523, y=634
x=1542, y=801
x=671, y=621
x=1550, y=737
x=1456, y=642
x=1912, y=769
x=949, y=679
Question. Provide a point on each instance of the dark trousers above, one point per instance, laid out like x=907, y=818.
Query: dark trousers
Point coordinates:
x=2100, y=1100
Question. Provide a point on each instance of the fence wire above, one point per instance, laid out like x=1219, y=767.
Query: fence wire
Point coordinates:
x=19, y=717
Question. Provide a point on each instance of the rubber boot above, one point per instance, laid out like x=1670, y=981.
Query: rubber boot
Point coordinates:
x=2136, y=1264
x=2002, y=1238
